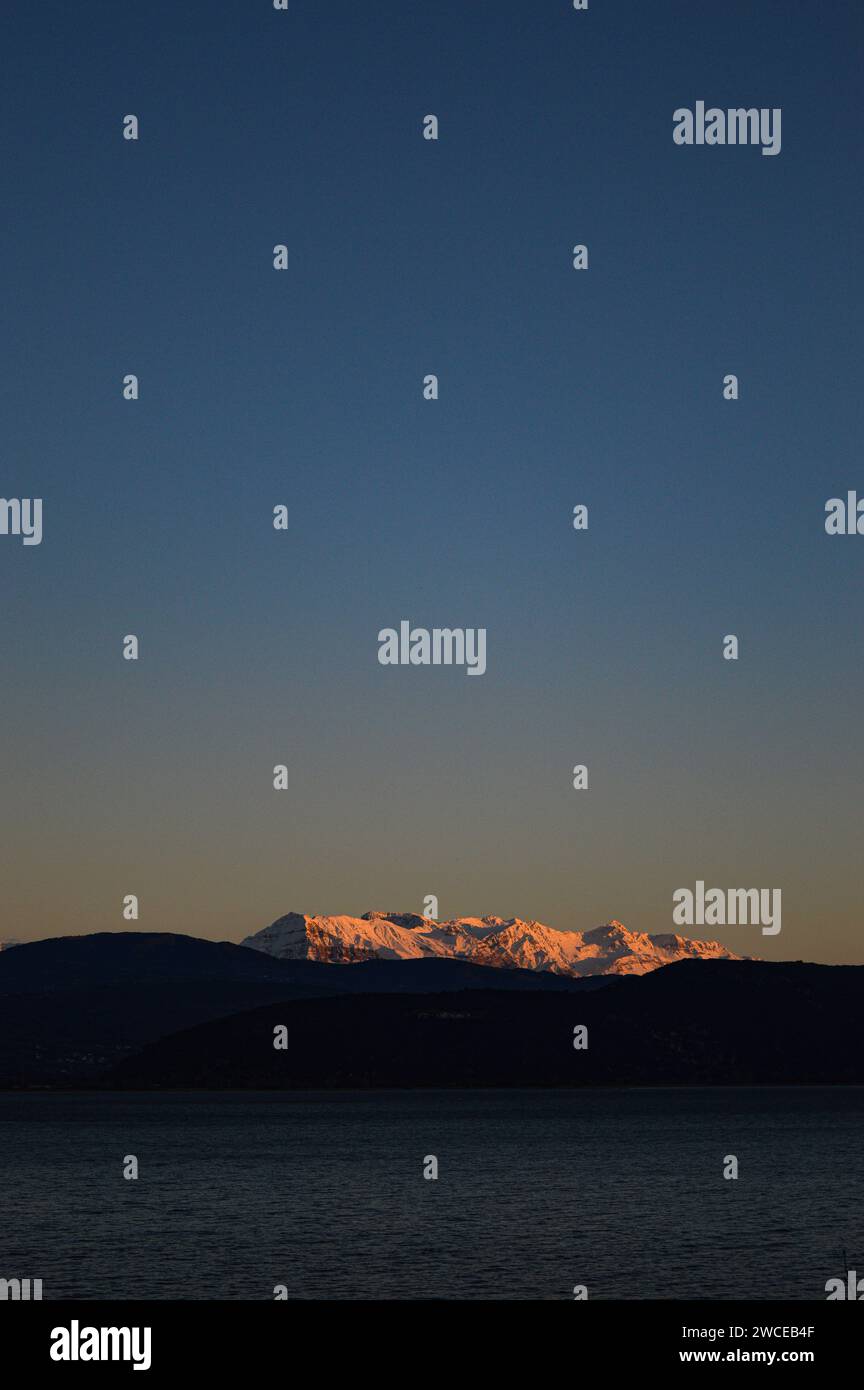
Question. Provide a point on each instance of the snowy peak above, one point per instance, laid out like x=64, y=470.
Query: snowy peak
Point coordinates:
x=499, y=942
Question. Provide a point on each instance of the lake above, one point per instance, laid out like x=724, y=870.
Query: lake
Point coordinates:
x=538, y=1191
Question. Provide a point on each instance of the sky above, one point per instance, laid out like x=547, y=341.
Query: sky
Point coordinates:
x=303, y=387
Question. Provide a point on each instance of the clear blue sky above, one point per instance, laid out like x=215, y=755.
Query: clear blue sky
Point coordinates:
x=304, y=388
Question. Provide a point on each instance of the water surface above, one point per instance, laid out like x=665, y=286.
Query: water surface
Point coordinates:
x=620, y=1190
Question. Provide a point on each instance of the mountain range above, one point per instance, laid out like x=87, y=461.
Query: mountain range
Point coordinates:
x=72, y=1007
x=161, y=1011
x=500, y=942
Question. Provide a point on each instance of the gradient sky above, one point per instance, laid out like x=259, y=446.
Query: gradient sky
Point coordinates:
x=304, y=388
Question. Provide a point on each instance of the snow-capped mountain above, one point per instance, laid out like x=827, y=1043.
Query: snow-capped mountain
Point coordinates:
x=508, y=943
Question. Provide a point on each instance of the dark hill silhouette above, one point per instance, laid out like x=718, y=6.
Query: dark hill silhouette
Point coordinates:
x=695, y=1022
x=72, y=1007
x=117, y=958
x=110, y=958
x=158, y=1009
